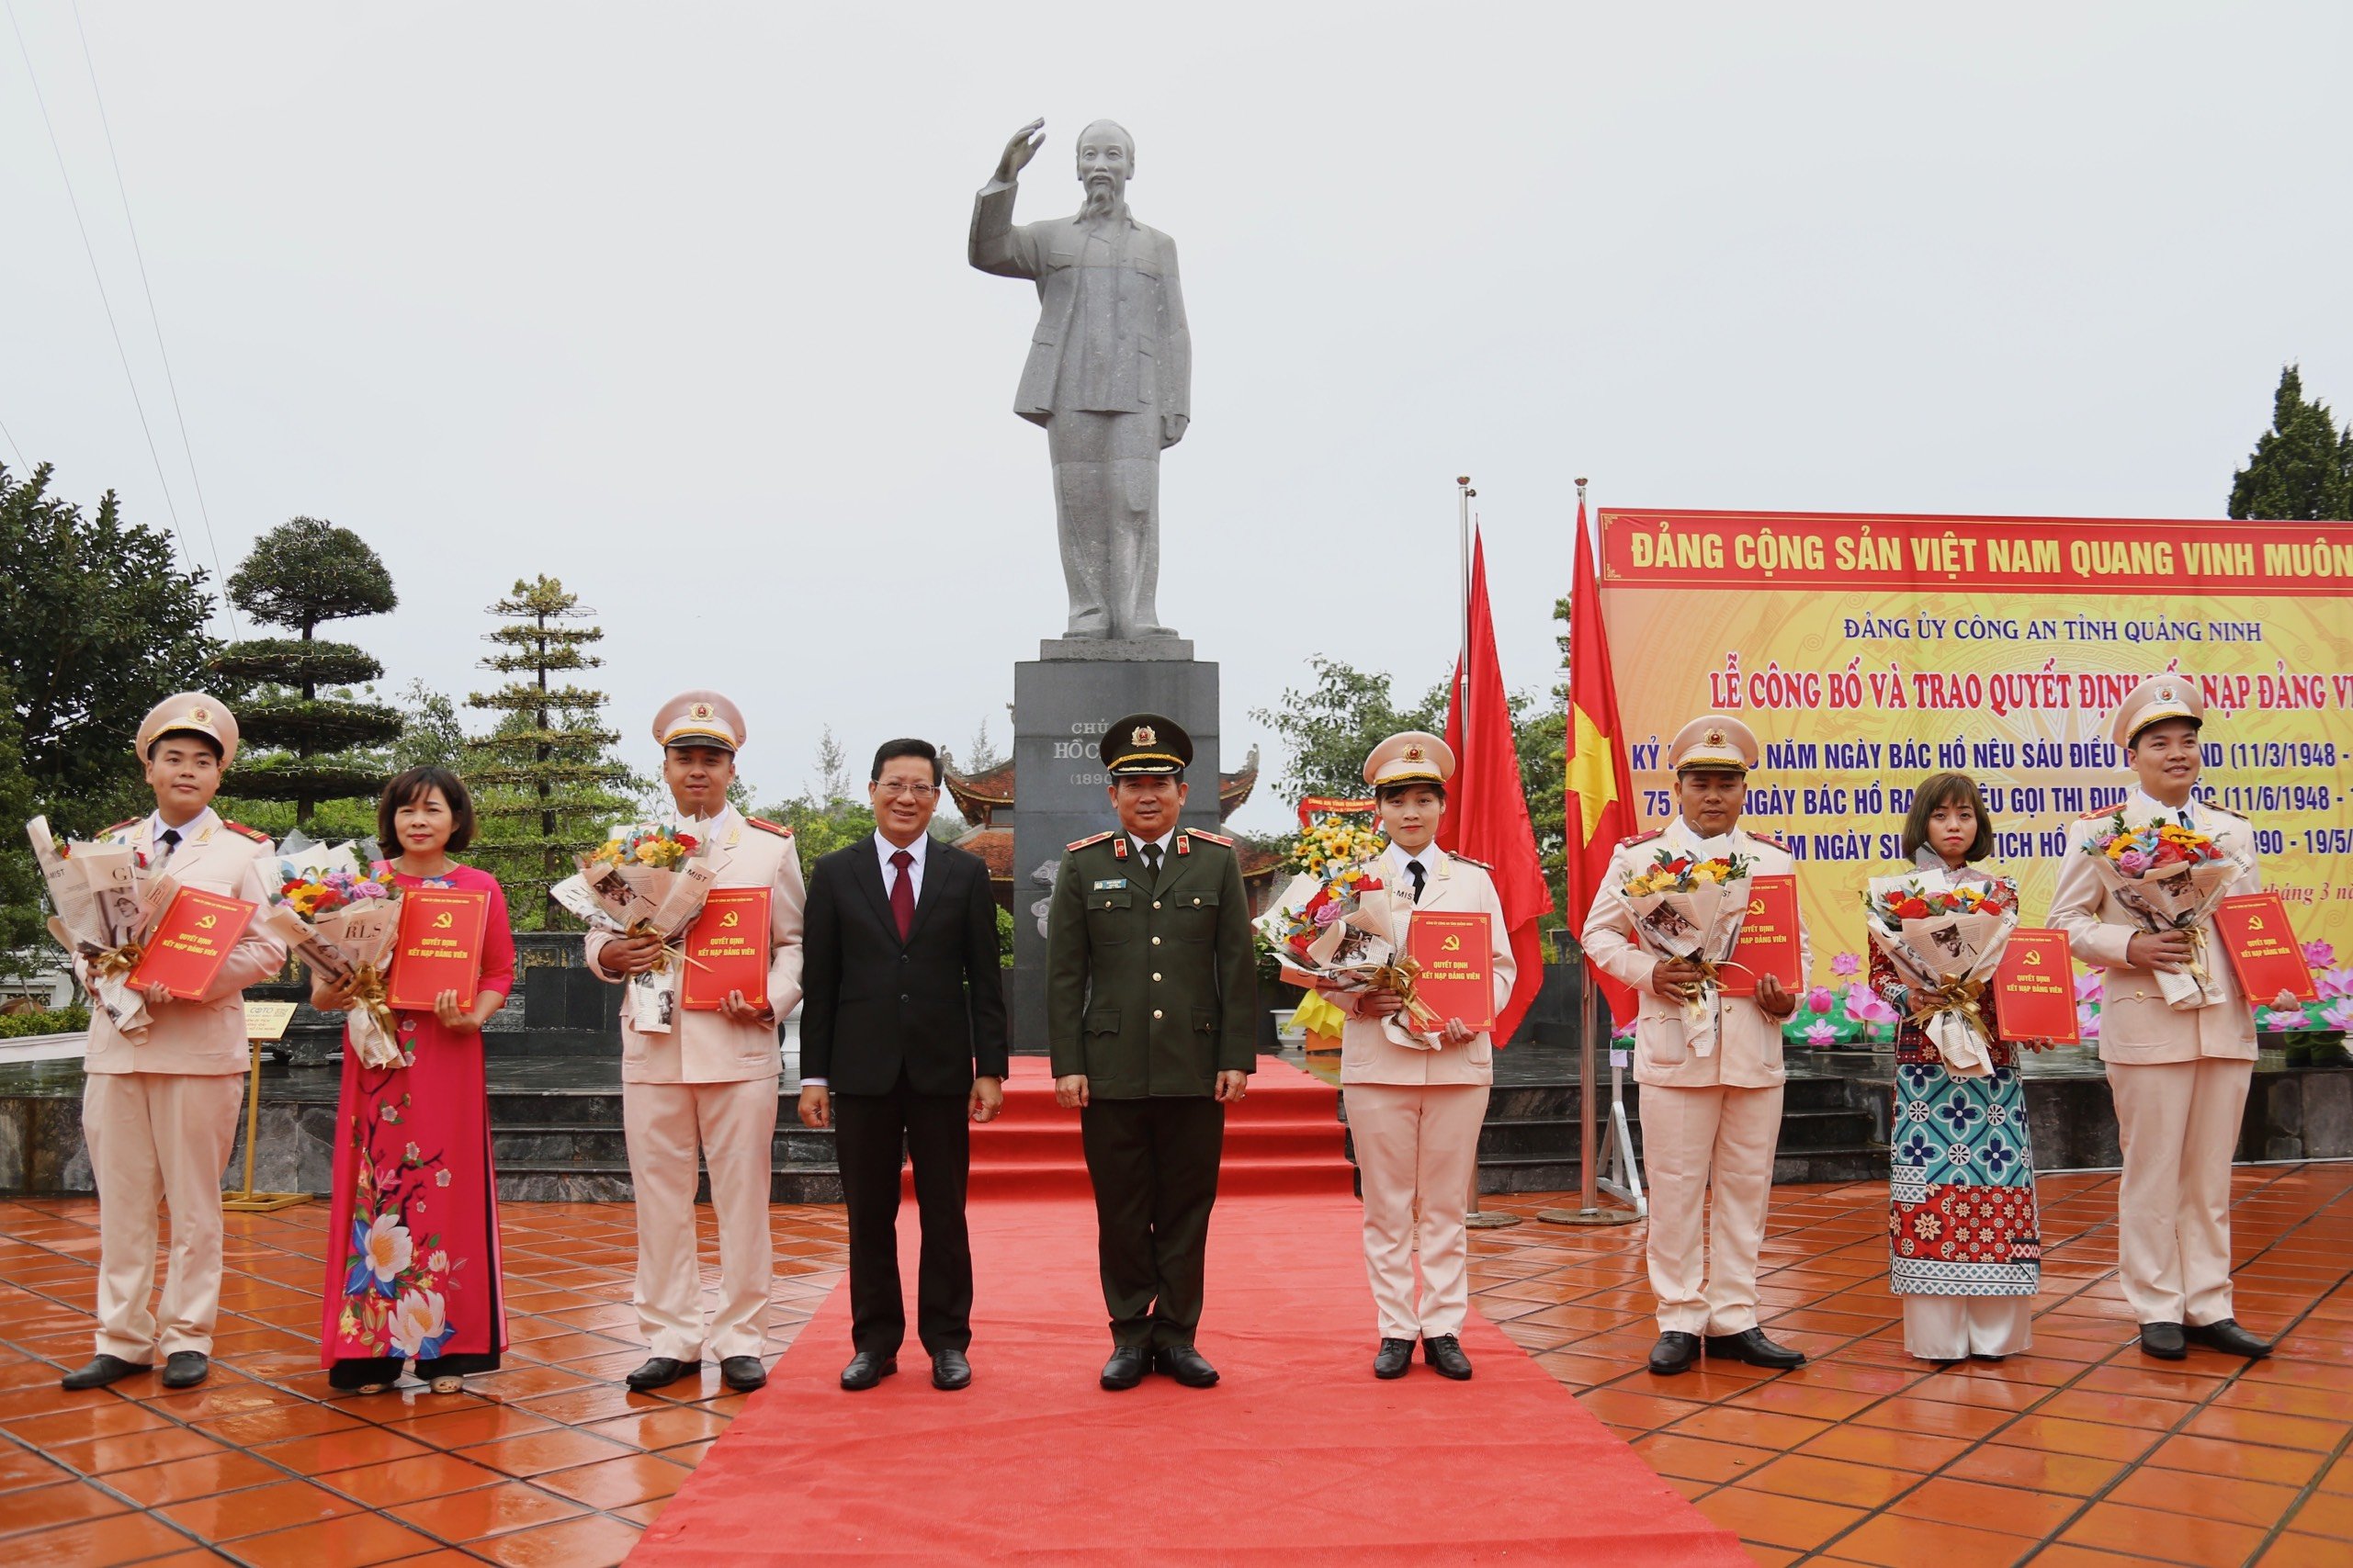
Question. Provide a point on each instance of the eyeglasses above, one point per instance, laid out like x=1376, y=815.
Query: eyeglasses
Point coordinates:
x=913, y=792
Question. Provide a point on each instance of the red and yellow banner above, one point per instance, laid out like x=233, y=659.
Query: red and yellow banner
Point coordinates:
x=1867, y=651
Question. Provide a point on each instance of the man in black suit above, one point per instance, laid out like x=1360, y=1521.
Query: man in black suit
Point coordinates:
x=902, y=1043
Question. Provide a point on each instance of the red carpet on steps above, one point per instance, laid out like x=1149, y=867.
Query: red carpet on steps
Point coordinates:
x=1298, y=1457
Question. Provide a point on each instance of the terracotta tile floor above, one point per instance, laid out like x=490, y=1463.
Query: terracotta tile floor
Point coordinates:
x=2081, y=1454
x=2078, y=1455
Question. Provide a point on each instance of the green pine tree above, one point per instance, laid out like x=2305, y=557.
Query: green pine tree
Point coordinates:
x=303, y=747
x=2301, y=470
x=546, y=782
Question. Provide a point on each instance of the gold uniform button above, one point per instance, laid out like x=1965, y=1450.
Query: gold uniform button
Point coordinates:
x=1156, y=1013
x=1156, y=942
x=1155, y=974
x=1196, y=903
x=1155, y=903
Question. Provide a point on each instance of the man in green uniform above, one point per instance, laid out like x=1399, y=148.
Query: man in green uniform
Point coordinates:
x=1150, y=984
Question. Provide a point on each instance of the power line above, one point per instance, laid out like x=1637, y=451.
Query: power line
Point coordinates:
x=13, y=447
x=187, y=558
x=155, y=318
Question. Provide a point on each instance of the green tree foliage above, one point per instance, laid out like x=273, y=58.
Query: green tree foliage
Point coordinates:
x=544, y=781
x=2302, y=470
x=309, y=747
x=1329, y=726
x=98, y=622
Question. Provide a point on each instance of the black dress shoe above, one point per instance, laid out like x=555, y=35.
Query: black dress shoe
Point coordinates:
x=1751, y=1346
x=1675, y=1352
x=1444, y=1354
x=867, y=1368
x=660, y=1371
x=1127, y=1368
x=950, y=1369
x=1185, y=1364
x=2165, y=1341
x=102, y=1371
x=1393, y=1358
x=185, y=1369
x=2222, y=1334
x=743, y=1374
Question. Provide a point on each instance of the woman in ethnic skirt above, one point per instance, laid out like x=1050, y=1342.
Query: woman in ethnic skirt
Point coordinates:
x=1966, y=1250
x=413, y=1255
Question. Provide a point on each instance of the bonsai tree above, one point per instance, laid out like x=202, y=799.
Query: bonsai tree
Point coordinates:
x=547, y=784
x=301, y=574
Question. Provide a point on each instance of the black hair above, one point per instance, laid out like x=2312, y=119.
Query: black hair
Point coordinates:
x=1383, y=792
x=1947, y=789
x=408, y=788
x=219, y=751
x=905, y=746
x=2133, y=741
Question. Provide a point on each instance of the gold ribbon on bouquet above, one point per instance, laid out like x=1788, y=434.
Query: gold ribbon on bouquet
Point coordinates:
x=107, y=962
x=2197, y=966
x=1953, y=997
x=1397, y=979
x=368, y=996
x=673, y=953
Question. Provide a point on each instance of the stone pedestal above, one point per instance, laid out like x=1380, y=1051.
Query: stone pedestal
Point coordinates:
x=1061, y=706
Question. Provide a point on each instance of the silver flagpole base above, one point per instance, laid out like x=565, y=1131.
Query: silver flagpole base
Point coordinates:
x=1588, y=1216
x=1488, y=1220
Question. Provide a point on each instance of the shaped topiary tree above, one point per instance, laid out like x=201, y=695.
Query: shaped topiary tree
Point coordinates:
x=306, y=747
x=546, y=782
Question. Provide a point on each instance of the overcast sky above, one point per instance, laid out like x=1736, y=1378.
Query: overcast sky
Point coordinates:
x=671, y=303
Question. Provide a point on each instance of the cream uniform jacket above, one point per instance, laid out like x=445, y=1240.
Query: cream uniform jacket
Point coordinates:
x=1367, y=1054
x=204, y=1038
x=1748, y=1052
x=2136, y=1024
x=707, y=1047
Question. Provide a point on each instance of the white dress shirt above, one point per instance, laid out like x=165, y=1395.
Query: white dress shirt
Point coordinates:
x=886, y=849
x=190, y=830
x=2148, y=807
x=1400, y=860
x=1164, y=840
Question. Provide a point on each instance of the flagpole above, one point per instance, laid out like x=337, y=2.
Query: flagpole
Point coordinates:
x=1473, y=1216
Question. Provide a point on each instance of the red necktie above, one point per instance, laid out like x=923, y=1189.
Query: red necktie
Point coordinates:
x=902, y=894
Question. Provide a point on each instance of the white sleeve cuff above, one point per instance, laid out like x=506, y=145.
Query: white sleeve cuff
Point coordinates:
x=814, y=1083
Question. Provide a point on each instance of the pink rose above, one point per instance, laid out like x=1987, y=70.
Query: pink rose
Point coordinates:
x=2133, y=862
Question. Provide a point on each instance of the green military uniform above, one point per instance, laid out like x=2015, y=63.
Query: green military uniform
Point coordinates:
x=1152, y=987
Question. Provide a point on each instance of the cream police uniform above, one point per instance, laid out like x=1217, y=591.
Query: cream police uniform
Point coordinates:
x=1414, y=1112
x=710, y=1084
x=160, y=1113
x=2180, y=1077
x=1711, y=1108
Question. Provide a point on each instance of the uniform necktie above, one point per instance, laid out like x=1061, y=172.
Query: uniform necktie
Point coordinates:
x=1421, y=878
x=2185, y=818
x=170, y=838
x=1152, y=861
x=902, y=893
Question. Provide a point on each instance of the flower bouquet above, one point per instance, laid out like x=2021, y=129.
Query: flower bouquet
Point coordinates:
x=645, y=878
x=342, y=921
x=106, y=905
x=1332, y=931
x=1687, y=908
x=2168, y=877
x=1944, y=938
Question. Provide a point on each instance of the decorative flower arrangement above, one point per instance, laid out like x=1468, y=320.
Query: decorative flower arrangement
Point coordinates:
x=661, y=848
x=1671, y=873
x=1337, y=899
x=314, y=893
x=1847, y=1015
x=1914, y=901
x=1334, y=839
x=2136, y=850
x=393, y=1292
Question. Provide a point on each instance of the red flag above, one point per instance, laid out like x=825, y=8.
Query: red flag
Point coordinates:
x=1486, y=817
x=1600, y=784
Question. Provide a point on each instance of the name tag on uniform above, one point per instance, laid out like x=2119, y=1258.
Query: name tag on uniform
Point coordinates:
x=1103, y=883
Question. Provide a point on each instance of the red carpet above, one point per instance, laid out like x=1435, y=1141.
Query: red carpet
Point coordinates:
x=1300, y=1457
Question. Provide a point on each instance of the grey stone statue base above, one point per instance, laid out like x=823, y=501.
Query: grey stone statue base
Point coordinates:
x=1118, y=650
x=1061, y=706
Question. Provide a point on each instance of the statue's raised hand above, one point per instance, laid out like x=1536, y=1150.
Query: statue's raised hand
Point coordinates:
x=1020, y=150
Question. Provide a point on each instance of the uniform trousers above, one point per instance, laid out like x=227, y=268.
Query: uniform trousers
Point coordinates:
x=1692, y=1140
x=1417, y=1147
x=874, y=1137
x=150, y=1136
x=2180, y=1124
x=1153, y=1162
x=734, y=1125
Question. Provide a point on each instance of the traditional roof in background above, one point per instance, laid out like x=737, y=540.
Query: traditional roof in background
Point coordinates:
x=995, y=846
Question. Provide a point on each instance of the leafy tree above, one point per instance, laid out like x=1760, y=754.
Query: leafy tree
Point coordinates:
x=2302, y=470
x=1329, y=726
x=302, y=573
x=983, y=754
x=544, y=781
x=430, y=730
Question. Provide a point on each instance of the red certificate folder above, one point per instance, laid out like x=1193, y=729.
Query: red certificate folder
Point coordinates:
x=2034, y=989
x=2264, y=952
x=191, y=941
x=727, y=950
x=439, y=948
x=1768, y=941
x=1457, y=959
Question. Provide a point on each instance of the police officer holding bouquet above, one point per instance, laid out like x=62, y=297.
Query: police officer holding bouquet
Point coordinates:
x=1151, y=980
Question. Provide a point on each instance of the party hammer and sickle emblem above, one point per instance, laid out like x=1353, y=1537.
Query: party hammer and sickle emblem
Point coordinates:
x=207, y=924
x=443, y=921
x=2255, y=923
x=1452, y=944
x=2033, y=959
x=728, y=922
x=1756, y=906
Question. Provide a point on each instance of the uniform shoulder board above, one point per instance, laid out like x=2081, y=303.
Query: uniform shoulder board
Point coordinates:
x=1640, y=839
x=2226, y=810
x=1213, y=838
x=1769, y=839
x=2103, y=811
x=256, y=834
x=1090, y=838
x=128, y=822
x=767, y=826
x=1465, y=860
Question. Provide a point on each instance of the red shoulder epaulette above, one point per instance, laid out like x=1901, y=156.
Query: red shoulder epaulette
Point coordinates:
x=1640, y=839
x=256, y=834
x=2103, y=811
x=767, y=826
x=1769, y=839
x=1213, y=838
x=1083, y=843
x=127, y=822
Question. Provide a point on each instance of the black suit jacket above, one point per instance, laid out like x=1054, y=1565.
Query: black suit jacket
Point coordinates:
x=934, y=1006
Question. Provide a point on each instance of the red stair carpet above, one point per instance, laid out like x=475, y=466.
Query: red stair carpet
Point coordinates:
x=1300, y=1457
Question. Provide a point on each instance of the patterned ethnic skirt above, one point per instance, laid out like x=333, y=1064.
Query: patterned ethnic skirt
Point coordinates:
x=1961, y=1217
